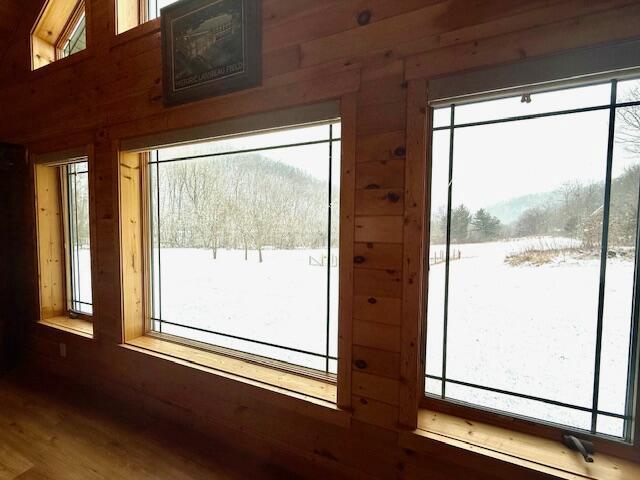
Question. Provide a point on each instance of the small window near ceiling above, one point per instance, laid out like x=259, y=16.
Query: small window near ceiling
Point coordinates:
x=154, y=7
x=533, y=266
x=59, y=32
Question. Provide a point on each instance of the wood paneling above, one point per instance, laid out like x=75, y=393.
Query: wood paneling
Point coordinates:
x=347, y=231
x=50, y=241
x=130, y=188
x=372, y=54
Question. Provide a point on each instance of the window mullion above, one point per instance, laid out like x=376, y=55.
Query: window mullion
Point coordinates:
x=603, y=254
x=447, y=254
x=632, y=369
x=159, y=250
x=71, y=285
x=328, y=333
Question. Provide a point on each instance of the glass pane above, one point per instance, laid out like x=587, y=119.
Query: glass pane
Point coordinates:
x=441, y=117
x=610, y=426
x=154, y=7
x=590, y=96
x=526, y=226
x=245, y=252
x=628, y=91
x=77, y=40
x=433, y=386
x=625, y=187
x=437, y=245
x=79, y=237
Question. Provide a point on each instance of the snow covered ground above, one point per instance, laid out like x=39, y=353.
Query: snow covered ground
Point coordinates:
x=282, y=301
x=528, y=329
x=532, y=330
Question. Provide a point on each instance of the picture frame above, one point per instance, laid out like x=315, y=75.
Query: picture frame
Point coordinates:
x=210, y=48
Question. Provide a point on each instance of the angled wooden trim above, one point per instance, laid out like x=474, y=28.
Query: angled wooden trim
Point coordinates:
x=414, y=239
x=348, y=106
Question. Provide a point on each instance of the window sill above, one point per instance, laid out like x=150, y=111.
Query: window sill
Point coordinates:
x=519, y=449
x=62, y=63
x=312, y=391
x=76, y=326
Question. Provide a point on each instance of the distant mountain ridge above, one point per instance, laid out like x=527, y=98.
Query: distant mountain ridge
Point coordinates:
x=508, y=211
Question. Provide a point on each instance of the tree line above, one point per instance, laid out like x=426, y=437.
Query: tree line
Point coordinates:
x=246, y=202
x=575, y=210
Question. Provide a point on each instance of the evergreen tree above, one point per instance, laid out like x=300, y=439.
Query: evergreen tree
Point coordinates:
x=460, y=220
x=485, y=226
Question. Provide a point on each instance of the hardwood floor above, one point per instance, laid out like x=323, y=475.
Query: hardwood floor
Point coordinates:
x=51, y=432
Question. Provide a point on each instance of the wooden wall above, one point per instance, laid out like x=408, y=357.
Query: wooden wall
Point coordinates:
x=313, y=50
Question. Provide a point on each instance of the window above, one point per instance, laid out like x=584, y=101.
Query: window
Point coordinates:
x=76, y=40
x=76, y=177
x=154, y=7
x=64, y=238
x=532, y=301
x=59, y=32
x=131, y=13
x=243, y=245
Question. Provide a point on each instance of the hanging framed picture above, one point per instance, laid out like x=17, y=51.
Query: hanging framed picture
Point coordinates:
x=209, y=48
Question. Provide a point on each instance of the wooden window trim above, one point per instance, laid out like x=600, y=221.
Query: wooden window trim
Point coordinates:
x=318, y=391
x=521, y=450
x=134, y=240
x=419, y=123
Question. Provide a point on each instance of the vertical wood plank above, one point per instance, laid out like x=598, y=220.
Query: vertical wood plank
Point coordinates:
x=347, y=236
x=131, y=245
x=411, y=367
x=50, y=245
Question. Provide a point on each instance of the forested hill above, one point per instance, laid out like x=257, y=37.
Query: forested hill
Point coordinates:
x=575, y=210
x=510, y=210
x=243, y=201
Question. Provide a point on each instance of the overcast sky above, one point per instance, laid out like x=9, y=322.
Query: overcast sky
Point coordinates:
x=312, y=159
x=494, y=163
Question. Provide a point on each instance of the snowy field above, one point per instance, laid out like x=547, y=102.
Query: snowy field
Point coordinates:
x=532, y=330
x=527, y=329
x=282, y=301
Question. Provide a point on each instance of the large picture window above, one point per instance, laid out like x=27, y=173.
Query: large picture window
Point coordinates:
x=532, y=301
x=243, y=243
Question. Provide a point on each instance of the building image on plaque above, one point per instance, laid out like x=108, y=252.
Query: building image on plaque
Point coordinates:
x=213, y=47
